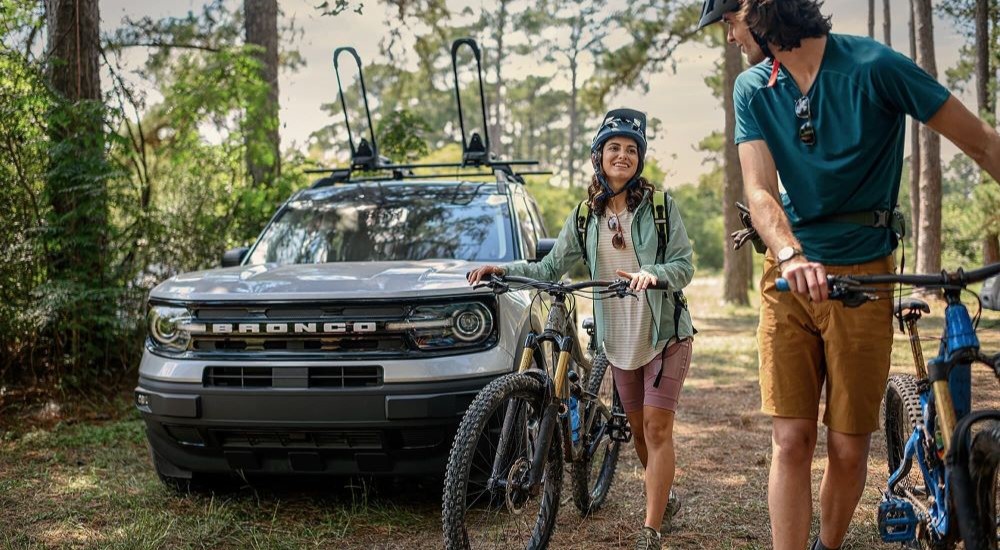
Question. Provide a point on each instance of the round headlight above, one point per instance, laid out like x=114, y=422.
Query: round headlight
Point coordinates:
x=472, y=323
x=165, y=326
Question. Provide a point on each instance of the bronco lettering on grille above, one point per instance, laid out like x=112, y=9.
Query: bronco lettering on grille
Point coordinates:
x=293, y=328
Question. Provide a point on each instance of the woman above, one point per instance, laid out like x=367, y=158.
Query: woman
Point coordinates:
x=649, y=351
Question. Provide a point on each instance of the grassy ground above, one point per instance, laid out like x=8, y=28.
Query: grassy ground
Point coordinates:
x=89, y=483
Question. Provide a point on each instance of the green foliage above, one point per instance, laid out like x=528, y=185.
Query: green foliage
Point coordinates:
x=700, y=206
x=24, y=103
x=969, y=211
x=131, y=200
x=401, y=136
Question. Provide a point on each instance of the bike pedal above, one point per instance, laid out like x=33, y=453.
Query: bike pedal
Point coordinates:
x=618, y=428
x=897, y=521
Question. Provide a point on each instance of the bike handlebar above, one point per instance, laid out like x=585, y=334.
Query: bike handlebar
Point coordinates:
x=619, y=286
x=944, y=279
x=660, y=285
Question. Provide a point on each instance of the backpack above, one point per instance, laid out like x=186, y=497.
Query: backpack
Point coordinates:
x=661, y=217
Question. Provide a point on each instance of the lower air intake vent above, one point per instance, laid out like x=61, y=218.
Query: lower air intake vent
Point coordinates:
x=294, y=377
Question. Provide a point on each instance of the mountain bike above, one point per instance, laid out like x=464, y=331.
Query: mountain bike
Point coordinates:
x=951, y=495
x=504, y=477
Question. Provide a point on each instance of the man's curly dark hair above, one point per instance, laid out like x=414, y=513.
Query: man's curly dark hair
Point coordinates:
x=785, y=23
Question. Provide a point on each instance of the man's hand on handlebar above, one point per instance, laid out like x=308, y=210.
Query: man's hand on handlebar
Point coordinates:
x=807, y=278
x=483, y=273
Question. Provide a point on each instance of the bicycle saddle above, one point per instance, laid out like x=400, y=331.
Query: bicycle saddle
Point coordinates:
x=911, y=304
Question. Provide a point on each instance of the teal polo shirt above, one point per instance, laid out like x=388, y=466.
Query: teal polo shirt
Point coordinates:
x=858, y=105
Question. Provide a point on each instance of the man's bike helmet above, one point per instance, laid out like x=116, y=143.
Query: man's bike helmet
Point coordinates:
x=713, y=10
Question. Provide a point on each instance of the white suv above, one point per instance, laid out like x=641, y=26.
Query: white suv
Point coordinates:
x=346, y=340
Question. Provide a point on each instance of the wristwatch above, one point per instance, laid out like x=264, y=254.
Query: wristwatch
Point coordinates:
x=788, y=253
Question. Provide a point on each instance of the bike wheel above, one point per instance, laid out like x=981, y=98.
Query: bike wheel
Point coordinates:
x=476, y=511
x=983, y=461
x=594, y=472
x=902, y=415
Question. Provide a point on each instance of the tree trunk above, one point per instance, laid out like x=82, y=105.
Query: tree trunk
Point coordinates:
x=914, y=156
x=929, y=249
x=496, y=126
x=263, y=143
x=887, y=23
x=76, y=187
x=573, y=122
x=736, y=264
x=871, y=18
x=987, y=104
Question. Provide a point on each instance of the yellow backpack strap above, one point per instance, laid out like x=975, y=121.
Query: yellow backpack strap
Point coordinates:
x=582, y=218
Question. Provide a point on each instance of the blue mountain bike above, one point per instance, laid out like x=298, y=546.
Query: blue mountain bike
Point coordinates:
x=943, y=456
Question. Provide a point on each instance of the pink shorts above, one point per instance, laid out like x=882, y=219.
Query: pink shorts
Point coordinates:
x=635, y=387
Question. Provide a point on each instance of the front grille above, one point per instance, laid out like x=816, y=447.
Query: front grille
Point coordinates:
x=354, y=330
x=387, y=343
x=293, y=377
x=318, y=439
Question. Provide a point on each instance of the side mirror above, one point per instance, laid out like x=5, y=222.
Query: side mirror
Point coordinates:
x=543, y=248
x=990, y=293
x=235, y=256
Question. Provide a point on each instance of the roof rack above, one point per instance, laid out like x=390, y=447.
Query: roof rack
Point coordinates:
x=364, y=156
x=475, y=150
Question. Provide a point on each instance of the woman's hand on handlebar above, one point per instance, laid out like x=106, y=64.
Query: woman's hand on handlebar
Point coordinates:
x=806, y=277
x=640, y=280
x=483, y=273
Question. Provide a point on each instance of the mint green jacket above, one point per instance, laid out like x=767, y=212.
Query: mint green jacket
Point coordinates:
x=677, y=269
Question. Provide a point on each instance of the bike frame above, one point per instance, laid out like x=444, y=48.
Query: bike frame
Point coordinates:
x=559, y=333
x=946, y=400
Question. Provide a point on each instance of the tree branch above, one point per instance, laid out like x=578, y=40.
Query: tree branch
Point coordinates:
x=167, y=45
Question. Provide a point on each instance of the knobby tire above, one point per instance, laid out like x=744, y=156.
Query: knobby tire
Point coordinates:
x=461, y=530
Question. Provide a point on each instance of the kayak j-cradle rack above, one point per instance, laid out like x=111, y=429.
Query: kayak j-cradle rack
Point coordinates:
x=475, y=151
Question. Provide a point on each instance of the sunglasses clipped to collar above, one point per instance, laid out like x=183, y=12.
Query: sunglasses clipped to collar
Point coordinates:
x=807, y=132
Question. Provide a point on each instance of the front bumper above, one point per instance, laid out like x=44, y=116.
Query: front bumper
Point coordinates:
x=403, y=425
x=395, y=429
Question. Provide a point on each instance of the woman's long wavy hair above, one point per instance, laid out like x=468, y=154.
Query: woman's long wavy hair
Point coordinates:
x=785, y=23
x=633, y=196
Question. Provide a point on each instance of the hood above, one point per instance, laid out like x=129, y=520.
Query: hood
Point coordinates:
x=332, y=281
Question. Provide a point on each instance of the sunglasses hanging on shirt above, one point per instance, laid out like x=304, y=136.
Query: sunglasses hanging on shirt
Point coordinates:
x=618, y=239
x=807, y=133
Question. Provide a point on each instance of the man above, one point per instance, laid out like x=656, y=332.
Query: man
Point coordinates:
x=820, y=123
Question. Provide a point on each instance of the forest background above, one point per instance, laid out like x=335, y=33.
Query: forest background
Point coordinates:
x=134, y=146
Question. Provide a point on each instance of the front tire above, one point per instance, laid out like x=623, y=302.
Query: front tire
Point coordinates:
x=475, y=514
x=983, y=461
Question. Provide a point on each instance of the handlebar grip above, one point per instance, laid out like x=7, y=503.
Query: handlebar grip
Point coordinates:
x=660, y=285
x=782, y=284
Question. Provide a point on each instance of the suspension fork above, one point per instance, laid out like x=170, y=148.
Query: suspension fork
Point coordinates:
x=939, y=372
x=552, y=409
x=509, y=429
x=562, y=369
x=938, y=375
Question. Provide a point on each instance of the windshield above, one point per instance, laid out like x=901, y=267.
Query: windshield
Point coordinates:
x=389, y=223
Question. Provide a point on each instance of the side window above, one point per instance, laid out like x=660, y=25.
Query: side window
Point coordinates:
x=536, y=217
x=529, y=238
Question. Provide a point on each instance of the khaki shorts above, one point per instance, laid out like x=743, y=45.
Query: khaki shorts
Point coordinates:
x=805, y=346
